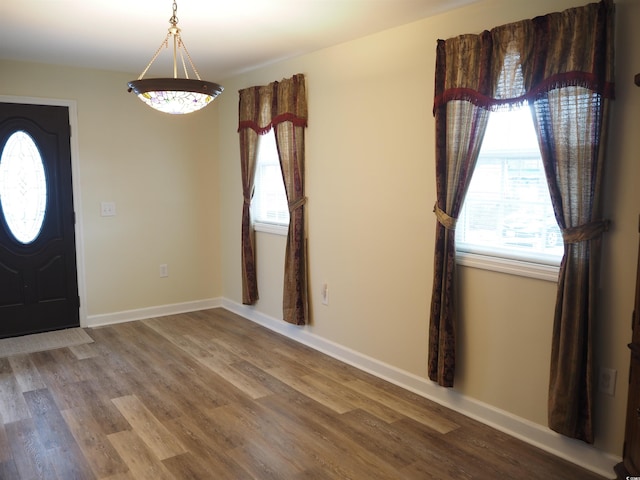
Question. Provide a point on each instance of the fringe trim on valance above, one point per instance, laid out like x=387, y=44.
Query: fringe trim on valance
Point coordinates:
x=285, y=117
x=564, y=80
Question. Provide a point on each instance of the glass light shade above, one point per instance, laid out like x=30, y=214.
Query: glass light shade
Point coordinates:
x=175, y=95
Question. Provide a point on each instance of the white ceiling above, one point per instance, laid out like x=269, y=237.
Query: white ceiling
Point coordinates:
x=224, y=37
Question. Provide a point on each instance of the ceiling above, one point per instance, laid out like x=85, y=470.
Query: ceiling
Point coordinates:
x=224, y=37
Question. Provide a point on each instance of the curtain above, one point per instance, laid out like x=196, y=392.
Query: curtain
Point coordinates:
x=460, y=127
x=254, y=113
x=571, y=123
x=248, y=160
x=290, y=143
x=283, y=107
x=561, y=64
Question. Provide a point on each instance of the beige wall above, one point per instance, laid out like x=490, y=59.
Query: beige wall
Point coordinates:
x=161, y=173
x=370, y=184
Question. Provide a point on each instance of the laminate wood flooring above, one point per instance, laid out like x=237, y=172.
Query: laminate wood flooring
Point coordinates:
x=210, y=395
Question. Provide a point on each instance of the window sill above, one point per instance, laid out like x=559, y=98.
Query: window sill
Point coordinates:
x=509, y=266
x=271, y=228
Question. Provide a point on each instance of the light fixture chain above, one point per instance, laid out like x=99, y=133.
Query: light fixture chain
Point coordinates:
x=184, y=65
x=164, y=44
x=184, y=47
x=174, y=18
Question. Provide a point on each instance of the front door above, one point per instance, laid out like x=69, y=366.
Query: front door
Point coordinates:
x=38, y=278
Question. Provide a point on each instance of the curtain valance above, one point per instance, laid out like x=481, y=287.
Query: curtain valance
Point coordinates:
x=263, y=107
x=520, y=61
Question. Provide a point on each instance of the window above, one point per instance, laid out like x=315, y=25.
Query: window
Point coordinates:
x=269, y=206
x=507, y=213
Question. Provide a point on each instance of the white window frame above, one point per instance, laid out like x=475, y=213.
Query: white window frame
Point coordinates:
x=274, y=228
x=510, y=266
x=501, y=260
x=271, y=228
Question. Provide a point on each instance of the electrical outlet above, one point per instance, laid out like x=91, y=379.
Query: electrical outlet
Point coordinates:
x=107, y=209
x=325, y=294
x=607, y=381
x=164, y=270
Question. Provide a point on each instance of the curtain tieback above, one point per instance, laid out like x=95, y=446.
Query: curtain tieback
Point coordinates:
x=445, y=220
x=588, y=231
x=297, y=204
x=247, y=201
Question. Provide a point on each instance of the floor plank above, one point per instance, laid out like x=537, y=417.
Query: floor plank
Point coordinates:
x=26, y=373
x=143, y=464
x=415, y=411
x=152, y=432
x=95, y=446
x=12, y=404
x=29, y=457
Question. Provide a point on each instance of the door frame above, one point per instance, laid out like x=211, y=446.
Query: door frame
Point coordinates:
x=75, y=181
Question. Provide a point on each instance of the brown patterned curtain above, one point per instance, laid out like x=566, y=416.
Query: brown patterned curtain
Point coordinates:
x=460, y=127
x=561, y=64
x=282, y=106
x=571, y=122
x=290, y=142
x=255, y=119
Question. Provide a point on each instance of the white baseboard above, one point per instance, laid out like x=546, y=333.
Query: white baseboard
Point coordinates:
x=541, y=437
x=151, y=312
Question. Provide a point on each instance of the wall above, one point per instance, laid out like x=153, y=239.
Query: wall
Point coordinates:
x=370, y=188
x=161, y=173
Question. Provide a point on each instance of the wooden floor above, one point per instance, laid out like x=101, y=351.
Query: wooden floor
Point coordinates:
x=209, y=395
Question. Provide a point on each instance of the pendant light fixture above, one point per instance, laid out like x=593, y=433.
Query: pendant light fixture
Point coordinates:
x=175, y=95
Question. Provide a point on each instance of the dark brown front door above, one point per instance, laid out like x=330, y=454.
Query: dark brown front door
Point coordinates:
x=38, y=278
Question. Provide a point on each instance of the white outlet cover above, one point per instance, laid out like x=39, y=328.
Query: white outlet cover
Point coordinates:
x=107, y=209
x=607, y=381
x=164, y=270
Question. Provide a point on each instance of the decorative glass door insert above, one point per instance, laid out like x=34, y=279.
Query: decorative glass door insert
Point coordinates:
x=23, y=187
